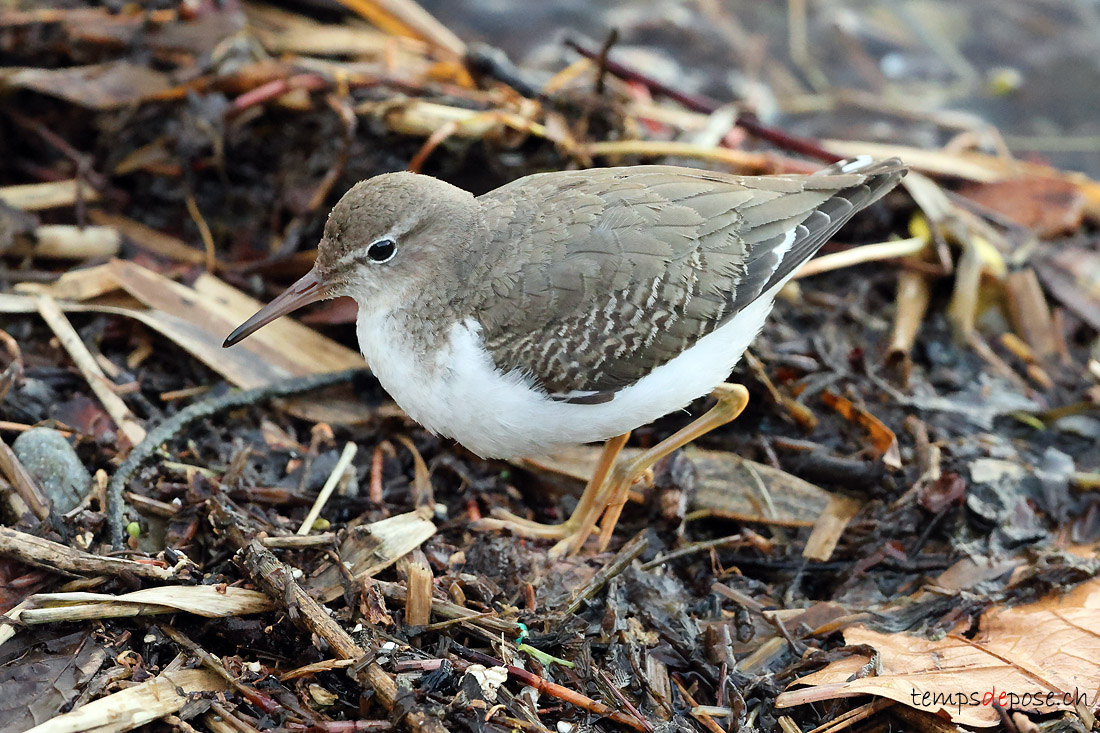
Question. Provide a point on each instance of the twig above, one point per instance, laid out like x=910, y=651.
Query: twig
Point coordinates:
x=493, y=624
x=277, y=580
x=264, y=702
x=338, y=471
x=845, y=720
x=601, y=60
x=59, y=558
x=739, y=159
x=25, y=485
x=693, y=548
x=860, y=255
x=582, y=701
x=699, y=103
x=207, y=237
x=911, y=305
x=618, y=563
x=407, y=18
x=625, y=703
x=207, y=408
x=91, y=370
x=384, y=448
x=694, y=102
x=294, y=542
x=703, y=718
x=49, y=195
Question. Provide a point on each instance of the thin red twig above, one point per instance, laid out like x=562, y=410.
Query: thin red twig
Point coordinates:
x=706, y=105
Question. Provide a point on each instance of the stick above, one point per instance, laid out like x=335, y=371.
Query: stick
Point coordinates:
x=860, y=255
x=582, y=701
x=26, y=488
x=86, y=363
x=699, y=103
x=407, y=18
x=326, y=491
x=618, y=563
x=912, y=304
x=58, y=558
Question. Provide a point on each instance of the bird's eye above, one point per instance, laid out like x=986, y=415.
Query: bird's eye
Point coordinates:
x=382, y=251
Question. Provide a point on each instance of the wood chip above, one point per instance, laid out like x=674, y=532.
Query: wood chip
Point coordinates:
x=367, y=549
x=418, y=607
x=828, y=528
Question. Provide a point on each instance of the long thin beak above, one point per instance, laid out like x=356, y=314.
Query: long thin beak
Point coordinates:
x=307, y=290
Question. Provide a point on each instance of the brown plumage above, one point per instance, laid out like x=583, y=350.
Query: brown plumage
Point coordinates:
x=628, y=267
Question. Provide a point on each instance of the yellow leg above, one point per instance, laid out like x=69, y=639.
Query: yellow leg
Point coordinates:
x=609, y=487
x=587, y=505
x=732, y=399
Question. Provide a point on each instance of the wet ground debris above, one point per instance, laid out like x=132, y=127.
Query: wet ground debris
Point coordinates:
x=913, y=483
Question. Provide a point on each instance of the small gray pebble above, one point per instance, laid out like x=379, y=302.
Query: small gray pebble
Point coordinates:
x=49, y=458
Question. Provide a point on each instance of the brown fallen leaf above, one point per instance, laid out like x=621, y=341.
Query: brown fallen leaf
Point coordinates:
x=1047, y=205
x=101, y=87
x=1043, y=657
x=198, y=319
x=883, y=440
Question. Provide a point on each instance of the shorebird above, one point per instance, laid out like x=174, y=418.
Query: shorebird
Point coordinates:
x=571, y=307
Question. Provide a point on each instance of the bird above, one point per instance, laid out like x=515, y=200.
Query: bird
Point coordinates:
x=571, y=307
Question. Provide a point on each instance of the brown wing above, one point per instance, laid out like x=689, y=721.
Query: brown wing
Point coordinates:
x=600, y=276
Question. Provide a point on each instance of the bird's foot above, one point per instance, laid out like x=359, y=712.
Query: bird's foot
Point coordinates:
x=568, y=533
x=517, y=525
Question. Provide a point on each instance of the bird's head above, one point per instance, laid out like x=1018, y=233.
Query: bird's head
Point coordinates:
x=386, y=239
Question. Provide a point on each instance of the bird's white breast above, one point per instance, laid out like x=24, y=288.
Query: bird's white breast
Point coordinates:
x=458, y=392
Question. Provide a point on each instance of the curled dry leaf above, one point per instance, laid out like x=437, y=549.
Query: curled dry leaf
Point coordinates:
x=1043, y=657
x=883, y=440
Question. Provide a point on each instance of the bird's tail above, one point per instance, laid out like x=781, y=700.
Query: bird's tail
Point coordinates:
x=870, y=180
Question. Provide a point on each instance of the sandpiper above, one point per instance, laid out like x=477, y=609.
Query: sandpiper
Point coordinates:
x=574, y=306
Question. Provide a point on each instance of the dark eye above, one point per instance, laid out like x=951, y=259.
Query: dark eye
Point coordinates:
x=382, y=251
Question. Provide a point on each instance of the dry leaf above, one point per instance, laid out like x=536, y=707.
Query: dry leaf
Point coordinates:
x=1043, y=657
x=102, y=87
x=883, y=440
x=199, y=318
x=367, y=549
x=135, y=706
x=202, y=600
x=829, y=527
x=1049, y=206
x=42, y=674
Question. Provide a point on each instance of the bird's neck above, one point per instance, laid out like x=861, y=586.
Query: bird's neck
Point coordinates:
x=423, y=315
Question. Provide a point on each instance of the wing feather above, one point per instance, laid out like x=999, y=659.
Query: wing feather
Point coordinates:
x=602, y=275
